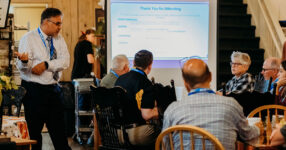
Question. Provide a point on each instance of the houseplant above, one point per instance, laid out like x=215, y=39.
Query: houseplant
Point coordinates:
x=6, y=84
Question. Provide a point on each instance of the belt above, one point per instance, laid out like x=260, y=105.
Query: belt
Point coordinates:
x=38, y=84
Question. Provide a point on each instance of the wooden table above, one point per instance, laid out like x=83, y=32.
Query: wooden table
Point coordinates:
x=23, y=144
x=261, y=143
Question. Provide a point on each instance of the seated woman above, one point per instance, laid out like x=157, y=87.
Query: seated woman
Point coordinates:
x=281, y=85
x=242, y=81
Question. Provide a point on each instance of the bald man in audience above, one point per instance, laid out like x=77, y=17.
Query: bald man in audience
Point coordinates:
x=221, y=116
x=120, y=66
x=270, y=69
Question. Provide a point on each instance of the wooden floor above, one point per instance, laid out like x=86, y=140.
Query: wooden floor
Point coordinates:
x=48, y=145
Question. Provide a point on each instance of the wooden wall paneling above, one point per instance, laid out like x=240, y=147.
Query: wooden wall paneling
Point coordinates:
x=79, y=15
x=32, y=1
x=65, y=7
x=74, y=31
x=96, y=4
x=85, y=14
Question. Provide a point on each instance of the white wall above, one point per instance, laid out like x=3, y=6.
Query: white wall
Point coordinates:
x=277, y=8
x=164, y=75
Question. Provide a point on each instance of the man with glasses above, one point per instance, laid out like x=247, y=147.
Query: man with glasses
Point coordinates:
x=42, y=55
x=242, y=81
x=270, y=69
x=120, y=66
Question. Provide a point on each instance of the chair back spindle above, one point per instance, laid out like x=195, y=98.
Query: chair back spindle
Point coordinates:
x=182, y=132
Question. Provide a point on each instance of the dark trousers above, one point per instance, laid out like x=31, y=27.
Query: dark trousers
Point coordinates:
x=43, y=105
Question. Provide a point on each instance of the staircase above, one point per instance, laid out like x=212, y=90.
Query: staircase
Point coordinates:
x=235, y=33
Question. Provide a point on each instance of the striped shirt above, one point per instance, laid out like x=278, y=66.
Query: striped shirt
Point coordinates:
x=221, y=116
x=32, y=44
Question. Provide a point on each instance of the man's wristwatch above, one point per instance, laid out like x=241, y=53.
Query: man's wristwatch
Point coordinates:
x=46, y=64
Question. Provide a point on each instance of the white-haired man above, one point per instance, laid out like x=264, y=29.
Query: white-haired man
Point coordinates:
x=270, y=69
x=242, y=81
x=120, y=66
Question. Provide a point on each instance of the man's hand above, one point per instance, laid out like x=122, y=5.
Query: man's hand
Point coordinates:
x=39, y=68
x=260, y=126
x=276, y=137
x=22, y=56
x=219, y=93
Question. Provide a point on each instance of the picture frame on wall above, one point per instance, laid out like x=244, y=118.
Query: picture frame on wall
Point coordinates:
x=100, y=21
x=4, y=10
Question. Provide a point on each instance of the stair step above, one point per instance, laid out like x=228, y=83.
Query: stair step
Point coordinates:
x=234, y=19
x=232, y=8
x=237, y=43
x=238, y=31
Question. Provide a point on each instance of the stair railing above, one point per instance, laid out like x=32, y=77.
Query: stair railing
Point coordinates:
x=268, y=29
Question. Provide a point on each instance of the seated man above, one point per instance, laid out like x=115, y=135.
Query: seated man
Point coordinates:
x=270, y=69
x=221, y=116
x=242, y=81
x=120, y=66
x=140, y=106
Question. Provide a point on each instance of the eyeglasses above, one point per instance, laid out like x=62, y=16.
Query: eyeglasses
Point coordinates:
x=263, y=69
x=235, y=64
x=56, y=23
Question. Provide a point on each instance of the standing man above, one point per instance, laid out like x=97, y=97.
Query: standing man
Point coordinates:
x=42, y=55
x=120, y=66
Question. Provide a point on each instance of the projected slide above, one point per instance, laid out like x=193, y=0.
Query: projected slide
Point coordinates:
x=171, y=30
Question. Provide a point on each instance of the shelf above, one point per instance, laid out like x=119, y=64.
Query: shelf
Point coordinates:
x=20, y=29
x=85, y=113
x=85, y=129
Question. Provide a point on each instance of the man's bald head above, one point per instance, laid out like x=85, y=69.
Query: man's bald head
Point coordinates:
x=196, y=71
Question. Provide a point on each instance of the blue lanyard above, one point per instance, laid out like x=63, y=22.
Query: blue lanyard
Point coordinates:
x=137, y=70
x=114, y=73
x=272, y=84
x=43, y=40
x=201, y=90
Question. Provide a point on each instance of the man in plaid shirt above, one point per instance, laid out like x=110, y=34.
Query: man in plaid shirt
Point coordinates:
x=242, y=81
x=221, y=116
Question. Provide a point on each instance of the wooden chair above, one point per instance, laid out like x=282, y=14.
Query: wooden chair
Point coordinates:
x=193, y=132
x=278, y=109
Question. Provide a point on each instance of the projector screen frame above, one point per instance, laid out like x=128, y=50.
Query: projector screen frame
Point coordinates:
x=212, y=42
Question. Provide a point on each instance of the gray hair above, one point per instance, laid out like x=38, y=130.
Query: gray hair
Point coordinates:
x=242, y=57
x=274, y=62
x=119, y=61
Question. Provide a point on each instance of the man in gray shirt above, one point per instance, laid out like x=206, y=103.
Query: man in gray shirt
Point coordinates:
x=221, y=116
x=120, y=66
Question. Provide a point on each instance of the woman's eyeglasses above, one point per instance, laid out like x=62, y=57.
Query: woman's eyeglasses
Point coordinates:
x=235, y=64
